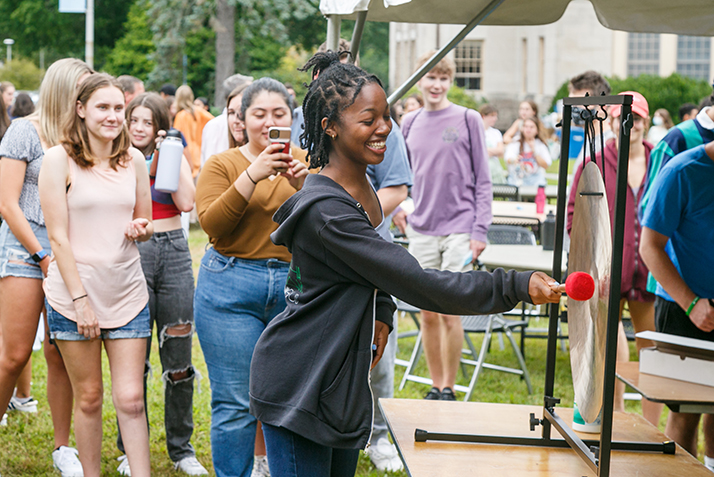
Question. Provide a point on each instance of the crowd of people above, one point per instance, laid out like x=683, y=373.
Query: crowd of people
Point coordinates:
x=293, y=302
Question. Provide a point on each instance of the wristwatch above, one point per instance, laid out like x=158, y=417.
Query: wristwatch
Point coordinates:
x=39, y=256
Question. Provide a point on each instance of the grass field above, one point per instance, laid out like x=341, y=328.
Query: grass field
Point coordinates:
x=26, y=443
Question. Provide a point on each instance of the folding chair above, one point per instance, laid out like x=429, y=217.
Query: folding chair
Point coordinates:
x=488, y=325
x=405, y=309
x=506, y=192
x=518, y=235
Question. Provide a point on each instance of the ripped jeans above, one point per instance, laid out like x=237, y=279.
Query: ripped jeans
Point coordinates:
x=166, y=262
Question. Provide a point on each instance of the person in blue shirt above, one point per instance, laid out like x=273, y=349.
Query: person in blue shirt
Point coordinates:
x=681, y=212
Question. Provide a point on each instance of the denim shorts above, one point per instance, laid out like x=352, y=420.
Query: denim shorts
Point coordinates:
x=15, y=260
x=62, y=328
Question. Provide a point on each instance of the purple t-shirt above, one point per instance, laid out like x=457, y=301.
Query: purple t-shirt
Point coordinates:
x=452, y=183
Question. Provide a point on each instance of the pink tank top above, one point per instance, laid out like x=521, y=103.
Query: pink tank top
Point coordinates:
x=100, y=204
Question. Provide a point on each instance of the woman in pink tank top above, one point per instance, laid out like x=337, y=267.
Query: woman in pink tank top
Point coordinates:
x=94, y=191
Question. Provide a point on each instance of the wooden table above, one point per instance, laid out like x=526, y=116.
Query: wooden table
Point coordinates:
x=520, y=257
x=449, y=459
x=679, y=396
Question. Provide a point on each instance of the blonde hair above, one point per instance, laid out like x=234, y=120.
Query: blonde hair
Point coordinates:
x=445, y=66
x=76, y=137
x=58, y=93
x=184, y=99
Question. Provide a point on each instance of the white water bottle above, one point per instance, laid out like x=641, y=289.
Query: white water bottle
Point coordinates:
x=168, y=170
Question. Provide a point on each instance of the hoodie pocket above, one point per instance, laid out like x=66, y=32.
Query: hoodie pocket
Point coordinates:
x=343, y=404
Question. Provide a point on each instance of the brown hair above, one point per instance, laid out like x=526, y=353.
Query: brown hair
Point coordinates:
x=76, y=136
x=236, y=91
x=487, y=109
x=445, y=66
x=591, y=81
x=665, y=117
x=540, y=133
x=159, y=115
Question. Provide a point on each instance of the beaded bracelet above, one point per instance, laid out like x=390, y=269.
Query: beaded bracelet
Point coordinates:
x=692, y=305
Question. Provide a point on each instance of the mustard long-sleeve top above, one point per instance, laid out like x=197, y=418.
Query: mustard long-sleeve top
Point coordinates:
x=235, y=226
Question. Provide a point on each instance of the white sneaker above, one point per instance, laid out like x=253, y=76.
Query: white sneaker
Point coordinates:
x=191, y=466
x=384, y=456
x=3, y=421
x=17, y=404
x=123, y=467
x=66, y=461
x=260, y=466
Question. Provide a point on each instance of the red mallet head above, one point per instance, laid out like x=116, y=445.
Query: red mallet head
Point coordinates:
x=580, y=286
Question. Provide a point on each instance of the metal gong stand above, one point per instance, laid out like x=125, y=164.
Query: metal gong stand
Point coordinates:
x=596, y=454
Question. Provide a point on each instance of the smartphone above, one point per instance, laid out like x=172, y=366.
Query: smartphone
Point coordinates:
x=278, y=135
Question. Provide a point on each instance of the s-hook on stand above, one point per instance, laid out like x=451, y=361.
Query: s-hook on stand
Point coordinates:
x=596, y=454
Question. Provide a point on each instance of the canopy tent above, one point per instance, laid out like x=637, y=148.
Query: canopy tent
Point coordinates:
x=685, y=17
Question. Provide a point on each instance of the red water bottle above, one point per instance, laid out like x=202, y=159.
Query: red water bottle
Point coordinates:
x=540, y=200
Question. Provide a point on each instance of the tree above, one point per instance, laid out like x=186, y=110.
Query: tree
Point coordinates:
x=223, y=23
x=173, y=21
x=37, y=25
x=23, y=74
x=132, y=54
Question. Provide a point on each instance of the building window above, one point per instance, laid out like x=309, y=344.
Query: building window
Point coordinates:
x=642, y=54
x=693, y=56
x=469, y=60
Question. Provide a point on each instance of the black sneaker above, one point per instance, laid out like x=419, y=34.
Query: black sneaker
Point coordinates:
x=433, y=395
x=447, y=395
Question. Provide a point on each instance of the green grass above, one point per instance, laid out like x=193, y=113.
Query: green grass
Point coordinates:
x=26, y=443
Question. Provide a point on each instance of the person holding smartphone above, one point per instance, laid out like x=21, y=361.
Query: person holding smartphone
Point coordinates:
x=242, y=276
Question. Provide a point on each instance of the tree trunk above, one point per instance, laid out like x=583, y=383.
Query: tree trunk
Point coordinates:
x=224, y=26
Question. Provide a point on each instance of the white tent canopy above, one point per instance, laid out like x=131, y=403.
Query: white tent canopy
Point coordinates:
x=683, y=17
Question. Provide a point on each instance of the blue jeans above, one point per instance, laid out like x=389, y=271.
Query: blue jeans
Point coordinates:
x=235, y=300
x=15, y=260
x=64, y=329
x=291, y=455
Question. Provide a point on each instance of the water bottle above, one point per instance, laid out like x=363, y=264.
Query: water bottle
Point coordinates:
x=169, y=168
x=540, y=199
x=547, y=235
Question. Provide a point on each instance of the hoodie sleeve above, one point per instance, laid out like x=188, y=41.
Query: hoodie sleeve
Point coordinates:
x=350, y=239
x=385, y=309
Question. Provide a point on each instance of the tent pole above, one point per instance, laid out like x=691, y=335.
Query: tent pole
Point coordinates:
x=333, y=31
x=357, y=34
x=443, y=51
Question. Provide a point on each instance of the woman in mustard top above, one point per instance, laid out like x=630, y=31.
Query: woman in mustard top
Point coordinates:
x=241, y=279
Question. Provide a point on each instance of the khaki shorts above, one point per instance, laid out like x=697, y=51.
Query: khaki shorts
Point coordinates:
x=442, y=252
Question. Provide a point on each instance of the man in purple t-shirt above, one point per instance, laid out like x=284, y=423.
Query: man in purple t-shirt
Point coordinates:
x=452, y=206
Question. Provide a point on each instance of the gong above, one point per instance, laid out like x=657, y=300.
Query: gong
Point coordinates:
x=590, y=252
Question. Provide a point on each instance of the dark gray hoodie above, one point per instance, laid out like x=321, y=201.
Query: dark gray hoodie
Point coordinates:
x=310, y=367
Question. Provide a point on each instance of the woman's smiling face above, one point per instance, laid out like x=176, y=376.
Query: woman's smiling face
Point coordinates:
x=363, y=127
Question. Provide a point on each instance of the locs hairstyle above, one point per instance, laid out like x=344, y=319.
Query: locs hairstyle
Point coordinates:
x=334, y=88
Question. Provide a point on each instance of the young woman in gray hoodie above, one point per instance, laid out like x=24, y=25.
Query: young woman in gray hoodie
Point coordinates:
x=309, y=381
